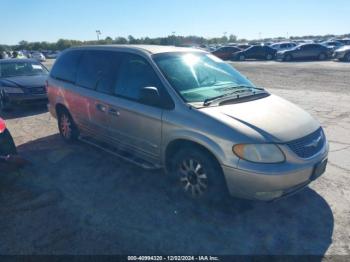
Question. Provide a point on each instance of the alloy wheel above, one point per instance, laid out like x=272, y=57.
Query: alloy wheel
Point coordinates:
x=66, y=126
x=193, y=177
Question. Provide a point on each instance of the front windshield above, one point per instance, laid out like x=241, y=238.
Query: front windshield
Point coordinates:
x=200, y=76
x=21, y=68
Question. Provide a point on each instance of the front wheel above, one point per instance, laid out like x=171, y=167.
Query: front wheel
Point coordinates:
x=269, y=57
x=4, y=104
x=198, y=174
x=68, y=130
x=7, y=145
x=287, y=58
x=347, y=57
x=322, y=57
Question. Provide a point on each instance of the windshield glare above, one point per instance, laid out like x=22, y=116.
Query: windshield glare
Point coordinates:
x=12, y=69
x=200, y=76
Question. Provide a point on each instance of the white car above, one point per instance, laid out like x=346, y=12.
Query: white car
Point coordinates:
x=38, y=56
x=283, y=46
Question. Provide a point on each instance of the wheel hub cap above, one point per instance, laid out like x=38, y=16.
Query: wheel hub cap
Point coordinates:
x=193, y=177
x=65, y=126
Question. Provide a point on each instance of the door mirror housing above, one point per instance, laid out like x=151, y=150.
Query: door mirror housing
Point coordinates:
x=150, y=96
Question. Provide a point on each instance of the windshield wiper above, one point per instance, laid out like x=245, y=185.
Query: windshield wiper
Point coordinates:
x=240, y=89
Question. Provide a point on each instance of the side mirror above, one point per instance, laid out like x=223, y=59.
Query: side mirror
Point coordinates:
x=150, y=96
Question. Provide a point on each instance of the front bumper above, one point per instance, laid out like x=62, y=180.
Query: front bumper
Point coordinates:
x=259, y=182
x=24, y=98
x=339, y=55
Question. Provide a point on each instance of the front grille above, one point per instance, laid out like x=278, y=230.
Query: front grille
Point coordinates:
x=37, y=90
x=309, y=145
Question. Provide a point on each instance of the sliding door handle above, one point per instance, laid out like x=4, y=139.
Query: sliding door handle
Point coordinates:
x=113, y=112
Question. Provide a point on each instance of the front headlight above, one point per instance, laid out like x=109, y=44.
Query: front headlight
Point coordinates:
x=259, y=153
x=13, y=90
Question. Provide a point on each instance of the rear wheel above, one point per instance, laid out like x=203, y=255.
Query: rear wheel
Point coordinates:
x=347, y=57
x=269, y=57
x=4, y=104
x=7, y=146
x=287, y=58
x=67, y=127
x=198, y=174
x=322, y=57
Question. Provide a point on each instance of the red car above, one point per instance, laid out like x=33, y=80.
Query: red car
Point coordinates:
x=226, y=52
x=8, y=152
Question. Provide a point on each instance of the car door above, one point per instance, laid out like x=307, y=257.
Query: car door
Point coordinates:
x=137, y=126
x=96, y=77
x=301, y=52
x=250, y=52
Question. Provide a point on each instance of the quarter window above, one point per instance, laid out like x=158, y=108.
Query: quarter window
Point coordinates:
x=66, y=66
x=98, y=70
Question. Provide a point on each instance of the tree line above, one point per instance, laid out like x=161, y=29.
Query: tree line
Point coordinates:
x=169, y=40
x=62, y=44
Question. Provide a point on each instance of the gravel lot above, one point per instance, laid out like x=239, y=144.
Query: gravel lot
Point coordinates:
x=78, y=200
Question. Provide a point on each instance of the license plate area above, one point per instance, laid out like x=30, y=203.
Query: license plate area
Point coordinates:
x=319, y=169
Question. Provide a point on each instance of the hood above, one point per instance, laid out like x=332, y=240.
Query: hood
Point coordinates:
x=24, y=81
x=270, y=119
x=283, y=51
x=343, y=48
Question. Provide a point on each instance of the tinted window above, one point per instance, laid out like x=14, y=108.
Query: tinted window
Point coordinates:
x=66, y=66
x=21, y=68
x=135, y=73
x=98, y=70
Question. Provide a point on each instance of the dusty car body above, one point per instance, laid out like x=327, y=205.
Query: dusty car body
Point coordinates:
x=21, y=81
x=190, y=113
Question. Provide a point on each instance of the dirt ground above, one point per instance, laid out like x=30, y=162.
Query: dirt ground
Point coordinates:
x=75, y=199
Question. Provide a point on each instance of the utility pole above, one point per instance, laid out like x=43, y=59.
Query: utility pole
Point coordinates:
x=98, y=33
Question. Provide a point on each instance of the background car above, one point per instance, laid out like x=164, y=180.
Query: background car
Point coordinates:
x=226, y=52
x=7, y=146
x=3, y=55
x=283, y=46
x=345, y=41
x=256, y=52
x=333, y=44
x=38, y=56
x=9, y=159
x=343, y=53
x=243, y=46
x=21, y=80
x=305, y=52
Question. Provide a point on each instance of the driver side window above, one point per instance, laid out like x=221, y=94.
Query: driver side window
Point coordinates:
x=135, y=74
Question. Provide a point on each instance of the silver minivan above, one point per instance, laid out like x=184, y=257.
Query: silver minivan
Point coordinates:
x=190, y=113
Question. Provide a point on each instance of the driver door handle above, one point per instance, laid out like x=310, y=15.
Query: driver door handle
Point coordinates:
x=101, y=107
x=113, y=112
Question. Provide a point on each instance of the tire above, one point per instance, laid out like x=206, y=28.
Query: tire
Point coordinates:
x=198, y=174
x=7, y=146
x=4, y=105
x=269, y=57
x=287, y=58
x=68, y=129
x=241, y=57
x=347, y=57
x=322, y=57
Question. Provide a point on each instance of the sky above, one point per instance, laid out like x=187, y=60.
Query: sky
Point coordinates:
x=50, y=20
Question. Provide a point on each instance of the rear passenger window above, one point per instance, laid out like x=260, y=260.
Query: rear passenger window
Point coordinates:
x=66, y=66
x=98, y=70
x=135, y=73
